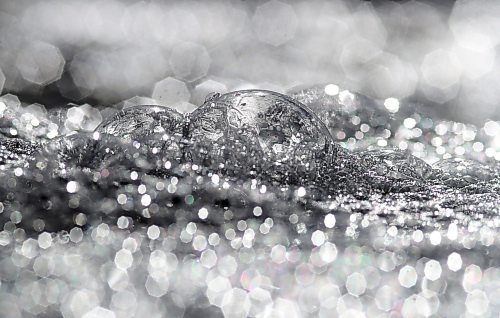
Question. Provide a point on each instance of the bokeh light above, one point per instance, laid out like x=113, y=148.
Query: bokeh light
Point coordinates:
x=110, y=52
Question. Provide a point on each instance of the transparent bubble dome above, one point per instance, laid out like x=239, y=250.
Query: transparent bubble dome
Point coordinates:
x=263, y=131
x=276, y=121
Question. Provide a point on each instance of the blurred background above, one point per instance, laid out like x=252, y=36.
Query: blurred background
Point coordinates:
x=117, y=53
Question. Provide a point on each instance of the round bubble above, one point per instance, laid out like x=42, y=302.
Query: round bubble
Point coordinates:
x=258, y=128
x=141, y=121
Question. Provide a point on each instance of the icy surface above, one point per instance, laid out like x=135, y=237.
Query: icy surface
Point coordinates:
x=255, y=204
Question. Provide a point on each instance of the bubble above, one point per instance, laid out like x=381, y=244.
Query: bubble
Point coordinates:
x=261, y=124
x=278, y=241
x=397, y=164
x=153, y=125
x=459, y=171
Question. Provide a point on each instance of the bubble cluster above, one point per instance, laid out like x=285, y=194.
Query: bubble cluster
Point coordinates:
x=360, y=208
